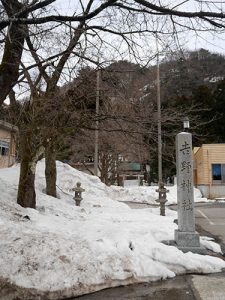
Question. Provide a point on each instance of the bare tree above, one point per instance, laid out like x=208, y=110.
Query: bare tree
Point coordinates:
x=134, y=18
x=29, y=30
x=12, y=39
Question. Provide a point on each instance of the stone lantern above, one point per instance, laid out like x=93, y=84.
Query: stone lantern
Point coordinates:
x=162, y=198
x=78, y=193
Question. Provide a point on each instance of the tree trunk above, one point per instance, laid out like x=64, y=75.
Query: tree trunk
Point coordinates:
x=50, y=170
x=13, y=49
x=26, y=196
x=30, y=152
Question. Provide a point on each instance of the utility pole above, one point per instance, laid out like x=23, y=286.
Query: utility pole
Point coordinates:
x=159, y=117
x=97, y=122
x=161, y=189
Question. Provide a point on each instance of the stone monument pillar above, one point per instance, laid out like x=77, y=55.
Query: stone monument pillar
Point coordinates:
x=185, y=237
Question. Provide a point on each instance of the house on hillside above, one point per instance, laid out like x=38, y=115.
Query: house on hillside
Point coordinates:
x=7, y=144
x=209, y=170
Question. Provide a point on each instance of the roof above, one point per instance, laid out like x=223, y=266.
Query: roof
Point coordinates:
x=7, y=126
x=196, y=149
x=217, y=144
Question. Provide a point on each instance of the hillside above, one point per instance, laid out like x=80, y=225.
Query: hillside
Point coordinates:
x=180, y=73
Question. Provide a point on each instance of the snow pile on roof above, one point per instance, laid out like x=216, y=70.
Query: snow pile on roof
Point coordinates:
x=68, y=250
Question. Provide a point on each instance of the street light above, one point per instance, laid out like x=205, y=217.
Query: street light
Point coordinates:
x=161, y=189
x=186, y=123
x=148, y=169
x=98, y=78
x=159, y=116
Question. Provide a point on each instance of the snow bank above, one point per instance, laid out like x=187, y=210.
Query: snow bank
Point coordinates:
x=69, y=251
x=148, y=194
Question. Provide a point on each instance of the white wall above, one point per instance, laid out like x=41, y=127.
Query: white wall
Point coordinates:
x=134, y=182
x=215, y=191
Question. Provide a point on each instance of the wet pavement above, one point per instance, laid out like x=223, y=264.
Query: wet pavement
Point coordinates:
x=187, y=287
x=178, y=288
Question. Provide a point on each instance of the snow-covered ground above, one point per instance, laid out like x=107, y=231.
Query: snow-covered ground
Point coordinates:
x=69, y=251
x=148, y=194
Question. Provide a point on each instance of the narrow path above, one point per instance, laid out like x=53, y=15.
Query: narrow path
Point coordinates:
x=136, y=205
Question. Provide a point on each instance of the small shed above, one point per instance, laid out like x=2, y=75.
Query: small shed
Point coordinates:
x=209, y=170
x=130, y=174
x=7, y=144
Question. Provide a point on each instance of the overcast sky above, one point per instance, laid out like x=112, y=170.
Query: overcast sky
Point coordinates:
x=212, y=41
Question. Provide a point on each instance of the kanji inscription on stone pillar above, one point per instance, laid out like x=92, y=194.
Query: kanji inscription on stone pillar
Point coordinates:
x=186, y=238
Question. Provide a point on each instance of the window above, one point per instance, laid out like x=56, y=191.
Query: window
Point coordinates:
x=4, y=148
x=218, y=172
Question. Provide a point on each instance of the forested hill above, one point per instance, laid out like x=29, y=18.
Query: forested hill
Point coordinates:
x=180, y=74
x=197, y=79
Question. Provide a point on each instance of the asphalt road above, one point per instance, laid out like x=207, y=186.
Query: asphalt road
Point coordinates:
x=211, y=217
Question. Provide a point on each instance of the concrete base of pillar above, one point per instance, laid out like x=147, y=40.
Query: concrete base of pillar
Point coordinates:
x=199, y=250
x=188, y=241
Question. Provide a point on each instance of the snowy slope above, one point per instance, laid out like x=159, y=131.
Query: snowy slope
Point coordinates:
x=68, y=250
